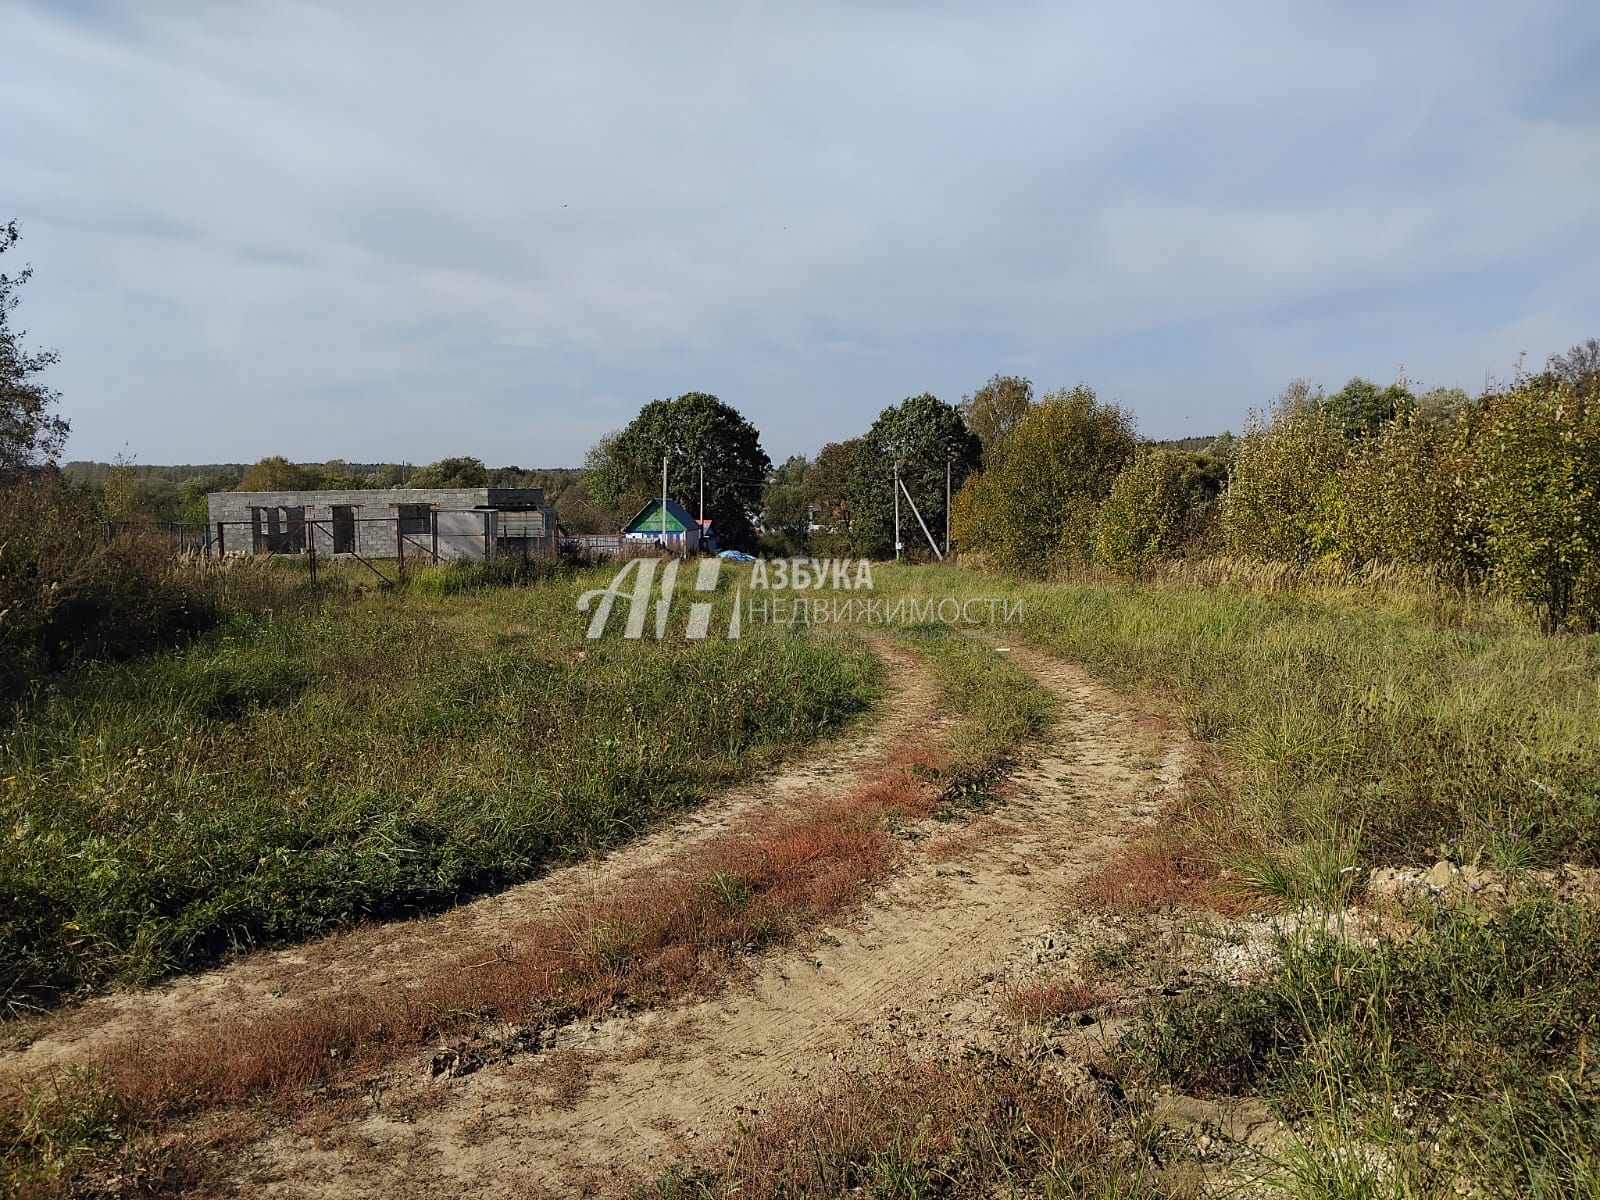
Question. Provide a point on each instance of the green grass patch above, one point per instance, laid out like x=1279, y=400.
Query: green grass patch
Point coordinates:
x=375, y=754
x=1460, y=1056
x=998, y=705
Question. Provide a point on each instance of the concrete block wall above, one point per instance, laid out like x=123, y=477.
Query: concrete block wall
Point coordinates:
x=375, y=538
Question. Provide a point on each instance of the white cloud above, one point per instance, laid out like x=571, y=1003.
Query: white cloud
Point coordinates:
x=305, y=228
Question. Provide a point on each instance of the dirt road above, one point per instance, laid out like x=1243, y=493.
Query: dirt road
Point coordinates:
x=606, y=1100
x=389, y=956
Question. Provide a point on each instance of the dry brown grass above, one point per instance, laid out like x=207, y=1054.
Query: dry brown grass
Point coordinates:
x=1177, y=863
x=915, y=1128
x=660, y=935
x=1038, y=1000
x=1153, y=874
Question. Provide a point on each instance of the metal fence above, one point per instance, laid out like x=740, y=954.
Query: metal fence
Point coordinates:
x=612, y=545
x=187, y=536
x=441, y=535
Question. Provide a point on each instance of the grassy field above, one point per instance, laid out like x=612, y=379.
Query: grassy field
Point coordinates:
x=1355, y=726
x=676, y=931
x=1358, y=726
x=377, y=754
x=364, y=755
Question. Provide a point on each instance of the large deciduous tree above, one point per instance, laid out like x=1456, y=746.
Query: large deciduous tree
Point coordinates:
x=828, y=483
x=786, y=507
x=275, y=473
x=1037, y=508
x=921, y=435
x=993, y=411
x=695, y=432
x=31, y=433
x=451, y=473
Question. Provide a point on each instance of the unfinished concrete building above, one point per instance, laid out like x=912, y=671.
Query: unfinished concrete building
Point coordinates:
x=434, y=524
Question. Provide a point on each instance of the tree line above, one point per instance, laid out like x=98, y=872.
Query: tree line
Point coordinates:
x=133, y=494
x=1499, y=490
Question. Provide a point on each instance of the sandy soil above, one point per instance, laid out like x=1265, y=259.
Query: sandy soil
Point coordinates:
x=607, y=1100
x=391, y=955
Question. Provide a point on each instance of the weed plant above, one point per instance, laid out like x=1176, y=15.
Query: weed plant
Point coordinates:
x=373, y=755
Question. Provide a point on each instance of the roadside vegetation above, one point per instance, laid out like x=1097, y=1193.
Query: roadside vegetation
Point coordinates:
x=1453, y=1060
x=150, y=1113
x=1361, y=724
x=364, y=755
x=1360, y=720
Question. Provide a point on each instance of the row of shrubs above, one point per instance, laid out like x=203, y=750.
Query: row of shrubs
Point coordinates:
x=67, y=593
x=1501, y=491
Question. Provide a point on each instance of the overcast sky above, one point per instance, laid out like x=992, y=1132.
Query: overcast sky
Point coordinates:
x=398, y=231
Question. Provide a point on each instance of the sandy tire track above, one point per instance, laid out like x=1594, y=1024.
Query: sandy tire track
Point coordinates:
x=642, y=1089
x=391, y=955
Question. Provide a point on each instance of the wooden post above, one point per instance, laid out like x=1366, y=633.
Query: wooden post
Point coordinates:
x=897, y=511
x=399, y=542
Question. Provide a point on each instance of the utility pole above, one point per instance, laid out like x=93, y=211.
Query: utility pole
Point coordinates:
x=702, y=513
x=663, y=501
x=897, y=511
x=947, y=506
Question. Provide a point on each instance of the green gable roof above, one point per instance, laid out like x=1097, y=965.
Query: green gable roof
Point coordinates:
x=648, y=519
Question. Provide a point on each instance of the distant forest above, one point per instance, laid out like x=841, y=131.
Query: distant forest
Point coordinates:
x=142, y=494
x=138, y=494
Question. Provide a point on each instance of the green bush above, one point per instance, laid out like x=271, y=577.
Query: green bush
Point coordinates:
x=1283, y=484
x=1036, y=510
x=68, y=594
x=1159, y=503
x=1407, y=497
x=1538, y=487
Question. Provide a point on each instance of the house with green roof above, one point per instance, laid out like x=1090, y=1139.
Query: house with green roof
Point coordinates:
x=675, y=529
